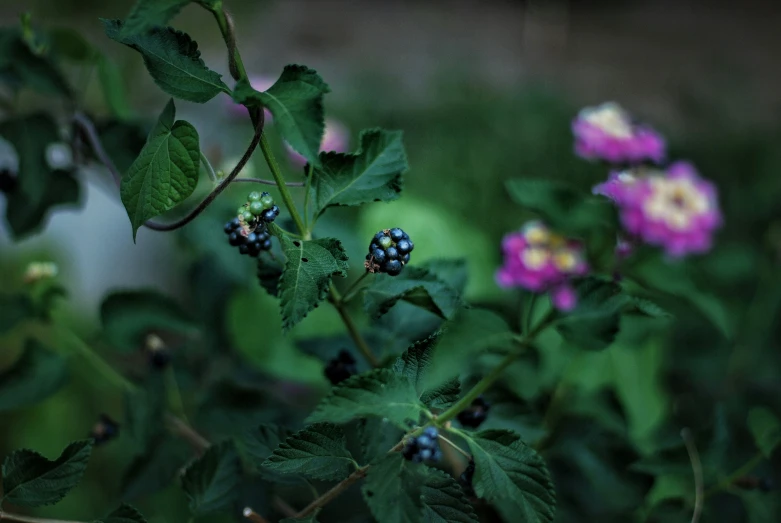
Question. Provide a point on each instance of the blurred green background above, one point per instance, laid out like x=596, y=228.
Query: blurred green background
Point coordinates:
x=484, y=92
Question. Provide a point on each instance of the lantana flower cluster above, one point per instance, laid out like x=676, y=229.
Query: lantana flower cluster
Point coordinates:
x=539, y=260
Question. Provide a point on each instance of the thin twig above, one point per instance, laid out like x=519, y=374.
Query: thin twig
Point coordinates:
x=456, y=447
x=253, y=516
x=340, y=487
x=266, y=182
x=694, y=457
x=91, y=133
x=284, y=507
x=16, y=518
x=209, y=169
x=186, y=432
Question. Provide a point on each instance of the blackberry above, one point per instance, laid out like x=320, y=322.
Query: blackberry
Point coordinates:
x=340, y=368
x=465, y=479
x=104, y=430
x=475, y=414
x=389, y=251
x=271, y=214
x=423, y=448
x=252, y=244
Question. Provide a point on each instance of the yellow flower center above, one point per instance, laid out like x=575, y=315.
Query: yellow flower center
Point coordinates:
x=676, y=202
x=565, y=260
x=611, y=118
x=535, y=258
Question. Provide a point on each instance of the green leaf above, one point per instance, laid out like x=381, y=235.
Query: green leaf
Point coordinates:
x=414, y=363
x=765, y=427
x=393, y=490
x=506, y=468
x=212, y=481
x=380, y=392
x=307, y=276
x=373, y=173
x=148, y=14
x=35, y=376
x=40, y=188
x=144, y=411
x=444, y=500
x=31, y=480
x=173, y=60
x=124, y=514
x=129, y=316
x=260, y=442
x=154, y=470
x=452, y=271
x=269, y=274
x=470, y=332
x=377, y=437
x=296, y=101
x=166, y=171
x=594, y=323
x=317, y=452
x=414, y=285
x=28, y=68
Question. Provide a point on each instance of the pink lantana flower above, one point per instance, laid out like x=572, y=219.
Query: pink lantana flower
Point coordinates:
x=606, y=132
x=675, y=209
x=336, y=138
x=539, y=260
x=259, y=83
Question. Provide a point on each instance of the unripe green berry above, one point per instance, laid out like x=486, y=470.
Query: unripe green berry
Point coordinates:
x=247, y=216
x=254, y=196
x=240, y=210
x=267, y=200
x=385, y=242
x=256, y=208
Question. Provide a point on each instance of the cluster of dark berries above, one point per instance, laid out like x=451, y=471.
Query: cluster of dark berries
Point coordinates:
x=340, y=368
x=755, y=483
x=260, y=207
x=423, y=448
x=250, y=243
x=465, y=479
x=104, y=430
x=389, y=251
x=158, y=353
x=8, y=181
x=475, y=414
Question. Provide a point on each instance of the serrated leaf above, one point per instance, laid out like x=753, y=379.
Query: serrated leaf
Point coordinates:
x=414, y=364
x=269, y=274
x=124, y=514
x=31, y=480
x=307, y=276
x=444, y=500
x=393, y=490
x=173, y=60
x=261, y=441
x=35, y=376
x=211, y=482
x=373, y=173
x=470, y=332
x=128, y=316
x=506, y=468
x=39, y=187
x=165, y=172
x=317, y=452
x=380, y=392
x=296, y=101
x=144, y=409
x=765, y=427
x=377, y=437
x=148, y=14
x=414, y=285
x=156, y=469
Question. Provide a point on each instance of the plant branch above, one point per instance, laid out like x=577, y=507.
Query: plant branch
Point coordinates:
x=354, y=288
x=266, y=182
x=265, y=147
x=94, y=359
x=456, y=447
x=253, y=516
x=352, y=329
x=743, y=470
x=329, y=496
x=694, y=457
x=17, y=518
x=209, y=169
x=306, y=197
x=91, y=134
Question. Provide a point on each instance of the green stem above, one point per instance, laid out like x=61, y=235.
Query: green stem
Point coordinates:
x=175, y=395
x=737, y=474
x=209, y=168
x=306, y=198
x=97, y=362
x=16, y=518
x=355, y=334
x=354, y=288
x=235, y=63
x=286, y=196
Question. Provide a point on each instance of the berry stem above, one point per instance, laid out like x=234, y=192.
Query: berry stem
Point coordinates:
x=208, y=167
x=254, y=516
x=355, y=334
x=354, y=288
x=694, y=457
x=280, y=181
x=456, y=447
x=340, y=487
x=266, y=182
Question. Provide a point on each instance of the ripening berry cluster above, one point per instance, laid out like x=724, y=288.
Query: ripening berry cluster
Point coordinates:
x=424, y=447
x=104, y=430
x=248, y=230
x=389, y=251
x=474, y=415
x=340, y=368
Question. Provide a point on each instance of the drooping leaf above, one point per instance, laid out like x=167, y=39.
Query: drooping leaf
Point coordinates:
x=380, y=392
x=307, y=275
x=506, y=468
x=148, y=14
x=414, y=365
x=296, y=101
x=144, y=411
x=39, y=187
x=211, y=481
x=444, y=500
x=414, y=285
x=165, y=172
x=317, y=452
x=128, y=316
x=31, y=480
x=373, y=173
x=765, y=427
x=35, y=376
x=155, y=469
x=173, y=60
x=393, y=490
x=124, y=514
x=470, y=332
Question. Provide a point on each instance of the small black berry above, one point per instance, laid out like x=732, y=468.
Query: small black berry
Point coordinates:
x=8, y=181
x=378, y=255
x=393, y=267
x=405, y=259
x=104, y=430
x=235, y=239
x=244, y=248
x=396, y=234
x=340, y=368
x=423, y=448
x=404, y=246
x=266, y=245
x=475, y=414
x=465, y=480
x=388, y=252
x=392, y=253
